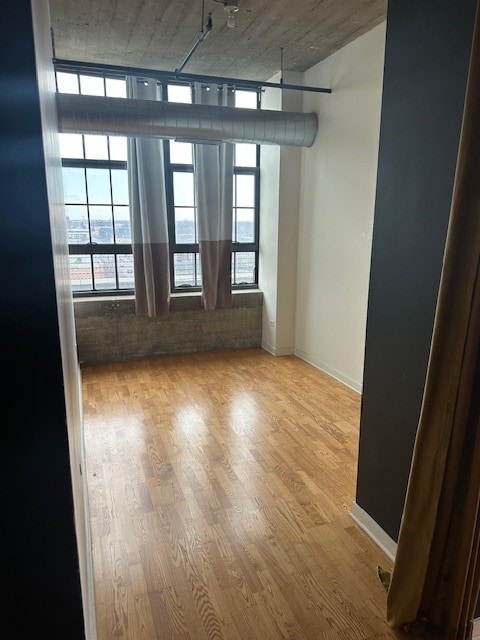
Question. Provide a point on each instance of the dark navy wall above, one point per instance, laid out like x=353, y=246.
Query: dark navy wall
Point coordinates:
x=40, y=565
x=426, y=64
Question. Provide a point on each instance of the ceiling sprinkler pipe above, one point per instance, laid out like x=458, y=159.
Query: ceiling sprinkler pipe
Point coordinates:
x=201, y=37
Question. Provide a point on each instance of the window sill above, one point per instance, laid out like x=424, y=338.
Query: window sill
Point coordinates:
x=184, y=301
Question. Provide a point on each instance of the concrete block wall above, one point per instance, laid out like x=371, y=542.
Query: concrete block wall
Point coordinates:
x=109, y=331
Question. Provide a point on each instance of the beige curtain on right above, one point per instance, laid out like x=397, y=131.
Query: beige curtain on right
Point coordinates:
x=214, y=195
x=435, y=580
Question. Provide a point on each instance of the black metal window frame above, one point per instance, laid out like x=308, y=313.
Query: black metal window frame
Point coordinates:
x=92, y=249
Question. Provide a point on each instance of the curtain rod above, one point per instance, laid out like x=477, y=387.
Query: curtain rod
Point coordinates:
x=71, y=65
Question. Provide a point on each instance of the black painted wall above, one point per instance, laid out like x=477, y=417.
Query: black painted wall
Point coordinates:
x=426, y=64
x=40, y=568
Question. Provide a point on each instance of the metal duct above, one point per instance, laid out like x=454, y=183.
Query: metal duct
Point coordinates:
x=147, y=118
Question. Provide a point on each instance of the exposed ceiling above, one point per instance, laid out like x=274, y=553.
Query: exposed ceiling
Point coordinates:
x=158, y=34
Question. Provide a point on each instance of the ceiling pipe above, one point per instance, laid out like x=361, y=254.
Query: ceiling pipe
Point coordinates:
x=151, y=118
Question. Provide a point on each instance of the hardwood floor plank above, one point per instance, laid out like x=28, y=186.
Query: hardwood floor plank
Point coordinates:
x=219, y=487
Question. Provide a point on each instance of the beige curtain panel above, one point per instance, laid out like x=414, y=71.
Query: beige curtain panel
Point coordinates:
x=214, y=195
x=435, y=579
x=148, y=212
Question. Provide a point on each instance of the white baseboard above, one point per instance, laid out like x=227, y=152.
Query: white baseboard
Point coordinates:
x=374, y=531
x=284, y=351
x=281, y=351
x=268, y=347
x=353, y=384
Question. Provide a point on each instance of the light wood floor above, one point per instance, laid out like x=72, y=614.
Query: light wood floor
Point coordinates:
x=220, y=486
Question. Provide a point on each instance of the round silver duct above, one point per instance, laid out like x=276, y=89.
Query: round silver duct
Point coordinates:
x=195, y=122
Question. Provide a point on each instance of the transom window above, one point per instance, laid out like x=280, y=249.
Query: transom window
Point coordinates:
x=97, y=204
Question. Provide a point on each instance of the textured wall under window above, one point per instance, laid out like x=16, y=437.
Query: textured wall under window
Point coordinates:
x=109, y=330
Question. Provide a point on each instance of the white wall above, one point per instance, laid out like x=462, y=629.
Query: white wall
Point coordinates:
x=279, y=196
x=337, y=196
x=289, y=194
x=71, y=369
x=268, y=242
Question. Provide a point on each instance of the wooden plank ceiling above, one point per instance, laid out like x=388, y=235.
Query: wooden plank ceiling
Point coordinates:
x=158, y=34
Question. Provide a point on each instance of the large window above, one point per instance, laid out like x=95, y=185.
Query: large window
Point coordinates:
x=96, y=200
x=96, y=197
x=185, y=259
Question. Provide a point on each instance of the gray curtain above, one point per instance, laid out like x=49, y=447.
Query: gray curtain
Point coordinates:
x=148, y=212
x=214, y=195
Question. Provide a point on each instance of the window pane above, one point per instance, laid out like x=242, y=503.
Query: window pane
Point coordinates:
x=179, y=93
x=91, y=86
x=121, y=217
x=245, y=225
x=104, y=272
x=71, y=145
x=186, y=270
x=77, y=224
x=81, y=273
x=74, y=185
x=118, y=147
x=120, y=186
x=245, y=191
x=67, y=82
x=246, y=155
x=185, y=225
x=125, y=271
x=96, y=147
x=116, y=88
x=180, y=152
x=101, y=225
x=98, y=185
x=244, y=268
x=198, y=266
x=246, y=99
x=183, y=191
